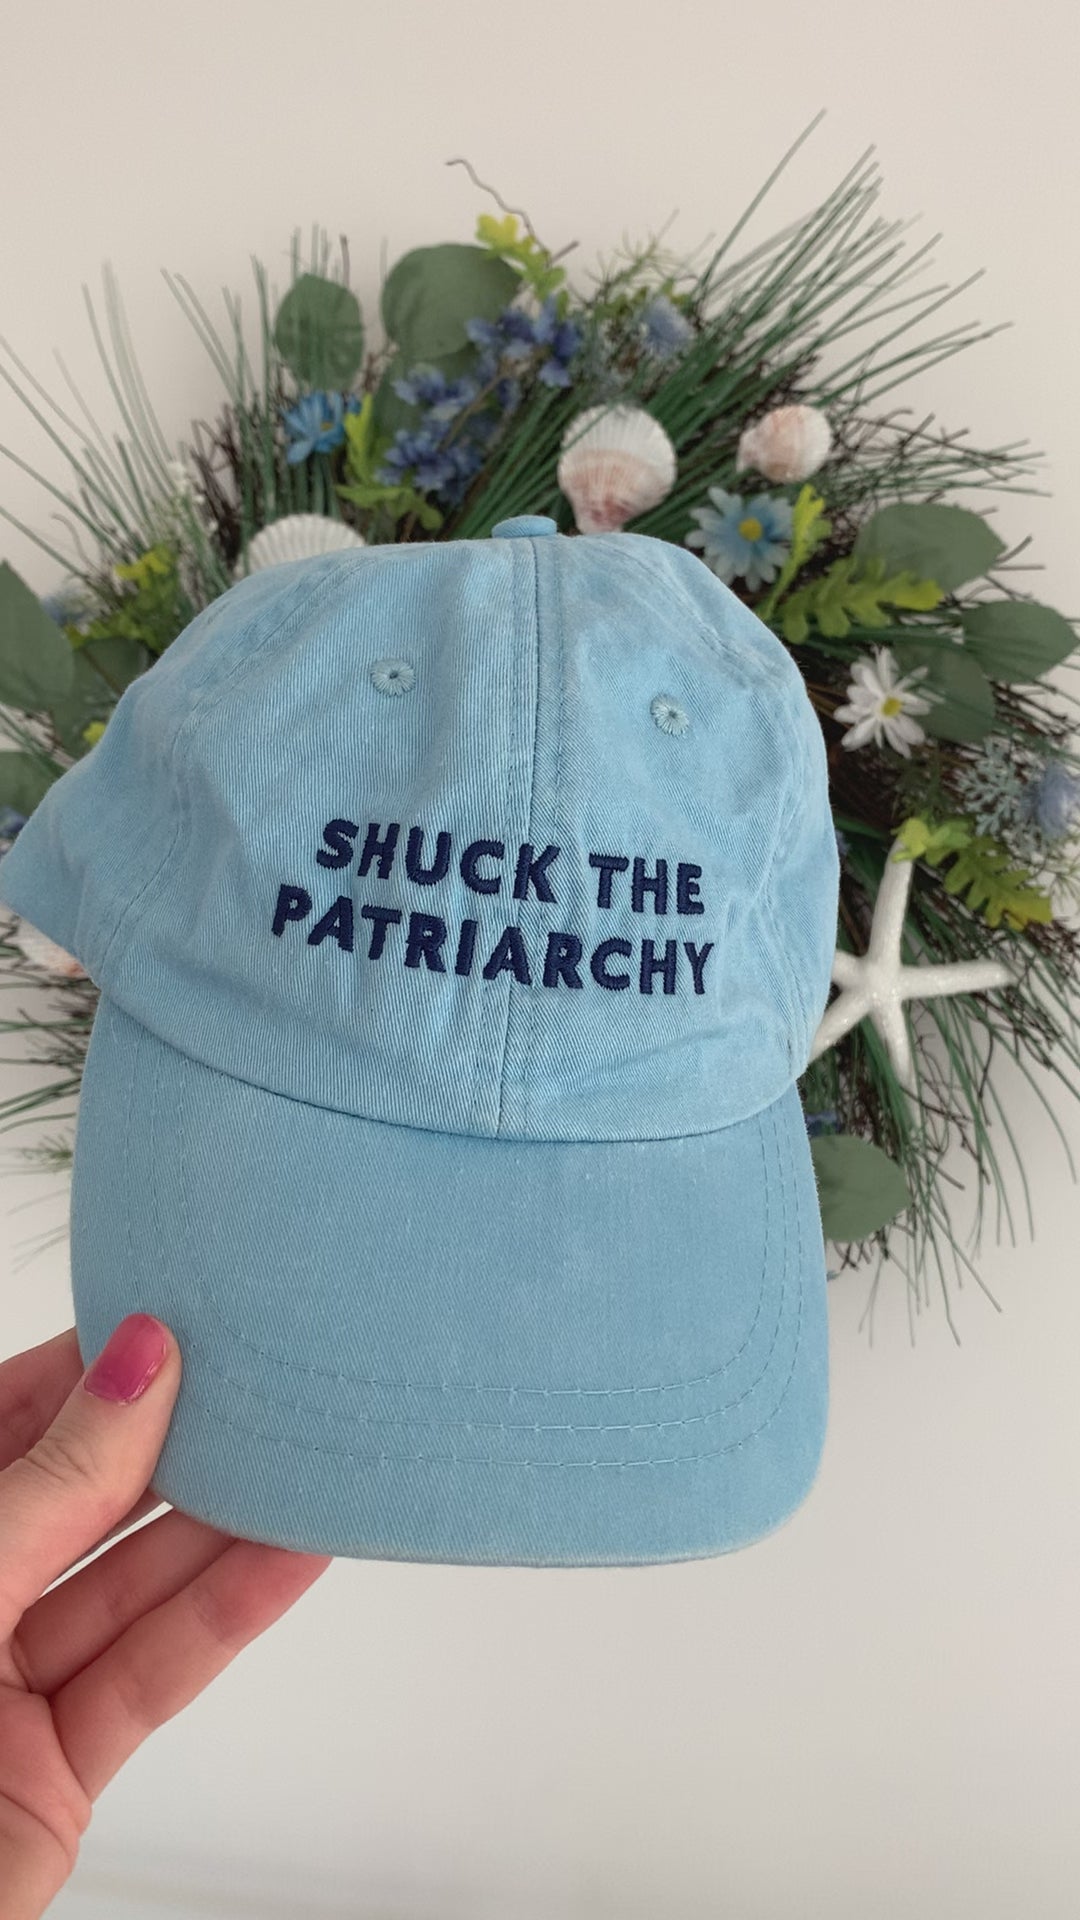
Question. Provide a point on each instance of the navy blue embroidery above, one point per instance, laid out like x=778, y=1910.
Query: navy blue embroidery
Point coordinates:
x=532, y=870
x=337, y=920
x=561, y=960
x=381, y=918
x=687, y=892
x=339, y=836
x=414, y=847
x=425, y=941
x=643, y=882
x=697, y=957
x=650, y=965
x=479, y=882
x=509, y=956
x=597, y=965
x=292, y=904
x=466, y=946
x=428, y=935
x=608, y=864
x=381, y=851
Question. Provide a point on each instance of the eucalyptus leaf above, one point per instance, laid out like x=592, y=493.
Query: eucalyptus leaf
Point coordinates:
x=93, y=693
x=36, y=658
x=430, y=293
x=319, y=333
x=964, y=709
x=859, y=1187
x=23, y=781
x=1017, y=640
x=948, y=544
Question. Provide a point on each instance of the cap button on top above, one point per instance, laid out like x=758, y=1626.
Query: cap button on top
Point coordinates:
x=524, y=526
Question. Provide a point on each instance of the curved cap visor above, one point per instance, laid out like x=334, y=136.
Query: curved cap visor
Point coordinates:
x=401, y=1344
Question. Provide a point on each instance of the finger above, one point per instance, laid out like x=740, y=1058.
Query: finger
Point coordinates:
x=89, y=1466
x=33, y=1388
x=74, y=1623
x=165, y=1659
x=148, y=1502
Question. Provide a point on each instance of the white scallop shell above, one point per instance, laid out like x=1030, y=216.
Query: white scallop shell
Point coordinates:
x=44, y=953
x=616, y=462
x=299, y=536
x=789, y=443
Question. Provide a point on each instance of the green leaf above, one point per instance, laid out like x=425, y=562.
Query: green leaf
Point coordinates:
x=319, y=333
x=948, y=544
x=23, y=781
x=533, y=260
x=853, y=592
x=1017, y=640
x=430, y=294
x=983, y=871
x=964, y=709
x=36, y=660
x=365, y=450
x=103, y=668
x=859, y=1187
x=396, y=501
x=364, y=445
x=921, y=841
x=996, y=889
x=809, y=527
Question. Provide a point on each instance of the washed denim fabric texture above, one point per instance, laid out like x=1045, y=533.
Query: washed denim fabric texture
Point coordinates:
x=463, y=913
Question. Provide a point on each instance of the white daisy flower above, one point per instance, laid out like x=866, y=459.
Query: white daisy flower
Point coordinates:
x=881, y=704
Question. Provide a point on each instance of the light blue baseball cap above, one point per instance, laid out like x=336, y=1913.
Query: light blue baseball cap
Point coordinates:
x=462, y=915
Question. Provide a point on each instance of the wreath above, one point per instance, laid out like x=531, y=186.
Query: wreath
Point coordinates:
x=744, y=405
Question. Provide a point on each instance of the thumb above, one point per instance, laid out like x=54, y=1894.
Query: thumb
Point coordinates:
x=90, y=1466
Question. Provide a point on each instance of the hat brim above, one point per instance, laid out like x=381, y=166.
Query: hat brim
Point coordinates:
x=413, y=1345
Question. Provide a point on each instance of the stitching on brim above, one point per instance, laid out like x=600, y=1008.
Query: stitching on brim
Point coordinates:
x=385, y=1458
x=449, y=1386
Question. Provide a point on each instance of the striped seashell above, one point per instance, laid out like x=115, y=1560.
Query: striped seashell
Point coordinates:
x=299, y=536
x=44, y=953
x=788, y=444
x=616, y=462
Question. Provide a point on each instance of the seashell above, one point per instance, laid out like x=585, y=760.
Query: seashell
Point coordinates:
x=616, y=462
x=299, y=536
x=44, y=953
x=790, y=443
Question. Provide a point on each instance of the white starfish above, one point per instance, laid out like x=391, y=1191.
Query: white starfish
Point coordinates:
x=877, y=983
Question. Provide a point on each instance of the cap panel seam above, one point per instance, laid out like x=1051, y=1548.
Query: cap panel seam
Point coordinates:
x=200, y=706
x=555, y=600
x=799, y=784
x=527, y=561
x=751, y=670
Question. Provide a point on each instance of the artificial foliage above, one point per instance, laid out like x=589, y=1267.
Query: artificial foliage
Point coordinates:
x=748, y=406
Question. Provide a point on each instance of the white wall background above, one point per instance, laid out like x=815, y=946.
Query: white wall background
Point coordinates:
x=876, y=1710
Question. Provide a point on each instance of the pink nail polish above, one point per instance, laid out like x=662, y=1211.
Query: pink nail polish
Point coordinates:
x=125, y=1367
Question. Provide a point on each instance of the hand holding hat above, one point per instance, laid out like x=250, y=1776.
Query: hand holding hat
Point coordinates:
x=90, y=1667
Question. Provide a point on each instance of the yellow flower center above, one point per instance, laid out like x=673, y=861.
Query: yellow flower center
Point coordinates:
x=891, y=705
x=750, y=528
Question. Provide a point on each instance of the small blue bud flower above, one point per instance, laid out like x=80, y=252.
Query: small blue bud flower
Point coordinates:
x=665, y=330
x=1054, y=800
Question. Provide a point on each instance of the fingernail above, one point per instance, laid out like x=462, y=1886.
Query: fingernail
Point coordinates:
x=125, y=1367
